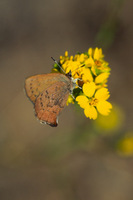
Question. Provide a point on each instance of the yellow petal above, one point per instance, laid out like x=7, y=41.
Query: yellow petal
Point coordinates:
x=90, y=51
x=100, y=78
x=70, y=100
x=102, y=94
x=82, y=101
x=71, y=57
x=90, y=112
x=82, y=57
x=100, y=53
x=104, y=107
x=55, y=70
x=89, y=62
x=87, y=76
x=89, y=89
x=96, y=54
x=66, y=53
x=93, y=69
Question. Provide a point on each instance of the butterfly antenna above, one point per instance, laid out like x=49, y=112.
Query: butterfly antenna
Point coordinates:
x=58, y=64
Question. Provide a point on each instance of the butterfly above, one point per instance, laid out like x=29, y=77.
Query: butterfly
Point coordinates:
x=49, y=94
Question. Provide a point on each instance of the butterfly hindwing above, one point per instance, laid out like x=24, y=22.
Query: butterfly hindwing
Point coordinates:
x=51, y=101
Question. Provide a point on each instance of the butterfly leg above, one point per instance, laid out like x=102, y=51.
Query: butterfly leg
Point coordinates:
x=73, y=96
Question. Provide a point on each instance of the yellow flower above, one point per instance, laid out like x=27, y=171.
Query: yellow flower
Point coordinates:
x=96, y=61
x=94, y=101
x=93, y=60
x=111, y=123
x=89, y=110
x=70, y=100
x=90, y=72
x=125, y=145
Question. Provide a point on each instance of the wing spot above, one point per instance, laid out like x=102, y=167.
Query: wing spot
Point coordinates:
x=56, y=102
x=41, y=104
x=46, y=96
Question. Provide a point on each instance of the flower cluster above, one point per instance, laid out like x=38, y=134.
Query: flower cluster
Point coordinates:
x=91, y=72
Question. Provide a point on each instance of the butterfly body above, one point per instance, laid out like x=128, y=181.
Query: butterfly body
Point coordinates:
x=49, y=94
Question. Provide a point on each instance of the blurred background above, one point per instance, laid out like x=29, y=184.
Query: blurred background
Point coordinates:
x=80, y=159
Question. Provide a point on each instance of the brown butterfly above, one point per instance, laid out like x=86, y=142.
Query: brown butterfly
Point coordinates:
x=49, y=94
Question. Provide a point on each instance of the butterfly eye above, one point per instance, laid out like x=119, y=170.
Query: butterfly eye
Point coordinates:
x=69, y=74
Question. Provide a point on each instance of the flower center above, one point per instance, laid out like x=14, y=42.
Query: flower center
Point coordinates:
x=98, y=63
x=93, y=102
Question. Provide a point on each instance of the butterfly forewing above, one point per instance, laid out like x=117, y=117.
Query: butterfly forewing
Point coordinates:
x=34, y=85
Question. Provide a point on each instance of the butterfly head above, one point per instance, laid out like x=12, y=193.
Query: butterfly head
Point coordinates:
x=69, y=74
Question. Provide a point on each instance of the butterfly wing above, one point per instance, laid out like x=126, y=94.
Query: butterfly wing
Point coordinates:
x=35, y=85
x=48, y=93
x=51, y=101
